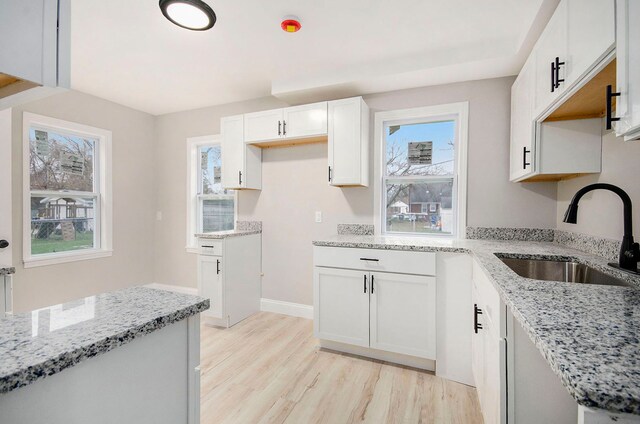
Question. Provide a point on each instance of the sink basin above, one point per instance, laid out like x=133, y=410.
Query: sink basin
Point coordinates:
x=567, y=271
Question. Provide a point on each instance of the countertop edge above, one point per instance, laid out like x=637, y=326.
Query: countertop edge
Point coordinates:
x=227, y=234
x=31, y=374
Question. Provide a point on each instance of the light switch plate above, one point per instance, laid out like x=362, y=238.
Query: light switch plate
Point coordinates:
x=159, y=216
x=318, y=216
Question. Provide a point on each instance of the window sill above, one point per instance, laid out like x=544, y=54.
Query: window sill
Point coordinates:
x=47, y=260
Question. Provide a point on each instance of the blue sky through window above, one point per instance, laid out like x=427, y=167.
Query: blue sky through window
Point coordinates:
x=442, y=134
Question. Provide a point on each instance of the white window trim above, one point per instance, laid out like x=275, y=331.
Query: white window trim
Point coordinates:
x=105, y=202
x=461, y=112
x=193, y=144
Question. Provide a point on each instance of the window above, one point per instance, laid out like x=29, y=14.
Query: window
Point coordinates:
x=67, y=192
x=211, y=207
x=422, y=172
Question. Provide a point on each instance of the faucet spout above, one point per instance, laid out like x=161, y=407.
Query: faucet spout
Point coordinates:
x=629, y=250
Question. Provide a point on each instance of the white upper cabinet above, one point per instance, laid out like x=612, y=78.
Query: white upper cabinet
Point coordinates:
x=35, y=42
x=263, y=126
x=576, y=46
x=241, y=164
x=550, y=59
x=628, y=69
x=296, y=122
x=343, y=123
x=348, y=133
x=522, y=122
x=305, y=121
x=590, y=35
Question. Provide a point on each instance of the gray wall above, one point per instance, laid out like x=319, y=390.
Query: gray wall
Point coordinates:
x=600, y=212
x=294, y=186
x=133, y=205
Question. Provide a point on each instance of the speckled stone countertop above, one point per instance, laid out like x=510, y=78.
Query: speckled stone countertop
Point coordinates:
x=41, y=343
x=227, y=234
x=588, y=334
x=7, y=271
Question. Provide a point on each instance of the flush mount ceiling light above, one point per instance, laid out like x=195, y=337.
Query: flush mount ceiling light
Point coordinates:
x=195, y=15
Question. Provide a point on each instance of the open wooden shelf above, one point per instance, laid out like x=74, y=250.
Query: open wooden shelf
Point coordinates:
x=590, y=101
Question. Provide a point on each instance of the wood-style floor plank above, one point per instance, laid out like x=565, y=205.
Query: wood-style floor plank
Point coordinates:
x=269, y=369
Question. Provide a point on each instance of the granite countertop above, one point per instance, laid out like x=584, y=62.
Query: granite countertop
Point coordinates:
x=588, y=334
x=227, y=234
x=41, y=343
x=7, y=271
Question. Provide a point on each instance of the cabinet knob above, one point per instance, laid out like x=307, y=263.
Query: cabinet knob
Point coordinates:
x=4, y=244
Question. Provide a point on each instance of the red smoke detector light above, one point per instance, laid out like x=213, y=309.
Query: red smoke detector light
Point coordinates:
x=291, y=24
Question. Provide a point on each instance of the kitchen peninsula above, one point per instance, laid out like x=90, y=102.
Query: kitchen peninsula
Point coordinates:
x=126, y=356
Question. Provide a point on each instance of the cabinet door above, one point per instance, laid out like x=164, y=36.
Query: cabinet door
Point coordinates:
x=552, y=44
x=522, y=122
x=347, y=134
x=263, y=126
x=628, y=69
x=305, y=121
x=233, y=151
x=591, y=34
x=341, y=306
x=211, y=284
x=403, y=314
x=29, y=40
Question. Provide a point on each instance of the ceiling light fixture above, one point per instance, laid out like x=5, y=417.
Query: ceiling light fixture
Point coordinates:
x=195, y=15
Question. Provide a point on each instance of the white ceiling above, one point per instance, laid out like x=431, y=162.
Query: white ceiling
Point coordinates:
x=127, y=52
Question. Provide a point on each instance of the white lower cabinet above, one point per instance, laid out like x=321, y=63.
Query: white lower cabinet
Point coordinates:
x=488, y=349
x=211, y=277
x=403, y=314
x=382, y=310
x=387, y=312
x=343, y=306
x=229, y=276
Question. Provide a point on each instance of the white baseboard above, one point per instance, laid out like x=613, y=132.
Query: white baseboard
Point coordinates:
x=286, y=308
x=173, y=288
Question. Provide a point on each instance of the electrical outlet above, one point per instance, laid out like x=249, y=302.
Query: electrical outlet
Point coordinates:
x=318, y=216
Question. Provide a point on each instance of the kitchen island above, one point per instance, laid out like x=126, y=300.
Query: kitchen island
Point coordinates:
x=127, y=356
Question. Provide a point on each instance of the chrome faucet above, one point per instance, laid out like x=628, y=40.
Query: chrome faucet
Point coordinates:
x=629, y=250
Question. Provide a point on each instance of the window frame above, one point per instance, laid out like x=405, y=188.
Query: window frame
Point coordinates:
x=102, y=191
x=458, y=112
x=194, y=203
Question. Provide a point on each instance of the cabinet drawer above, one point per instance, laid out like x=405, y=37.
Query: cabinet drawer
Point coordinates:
x=210, y=247
x=403, y=262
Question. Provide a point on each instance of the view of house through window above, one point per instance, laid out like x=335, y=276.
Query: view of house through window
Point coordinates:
x=64, y=192
x=419, y=177
x=215, y=205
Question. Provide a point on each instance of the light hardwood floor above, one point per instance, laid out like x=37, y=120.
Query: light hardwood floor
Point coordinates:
x=269, y=369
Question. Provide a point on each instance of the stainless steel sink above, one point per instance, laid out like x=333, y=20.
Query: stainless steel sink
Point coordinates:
x=558, y=270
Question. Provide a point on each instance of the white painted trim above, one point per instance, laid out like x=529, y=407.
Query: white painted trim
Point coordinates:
x=286, y=308
x=173, y=288
x=460, y=111
x=381, y=355
x=64, y=257
x=105, y=191
x=193, y=143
